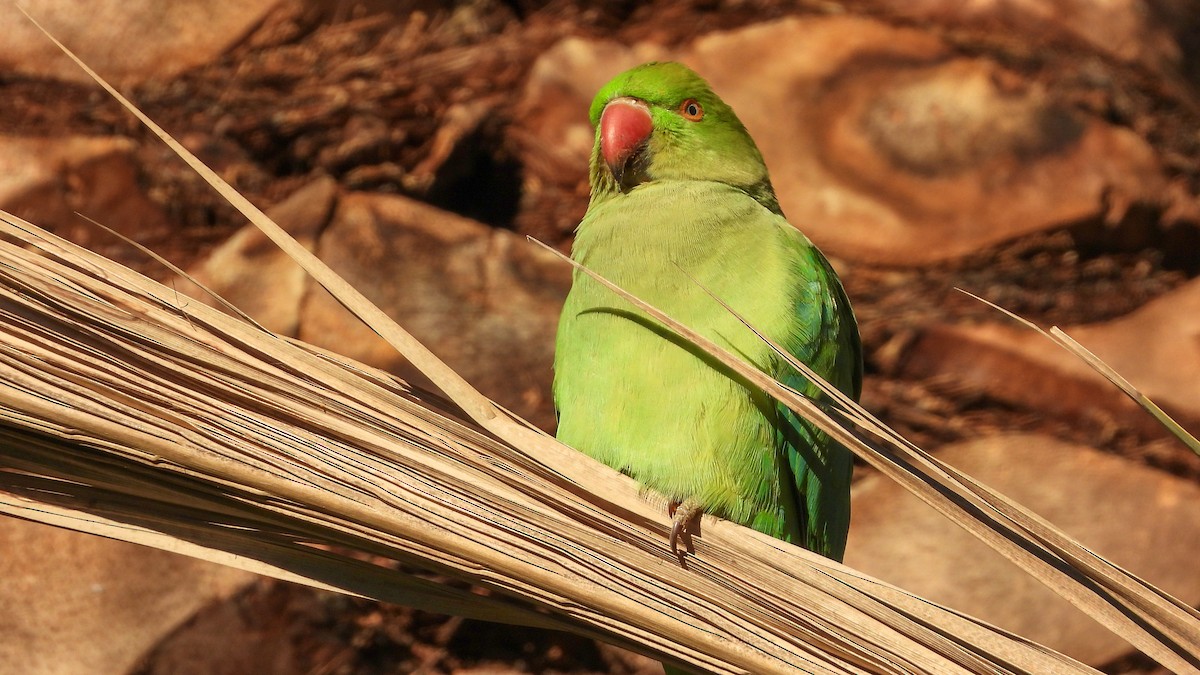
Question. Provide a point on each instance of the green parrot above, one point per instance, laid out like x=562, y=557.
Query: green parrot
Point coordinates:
x=680, y=195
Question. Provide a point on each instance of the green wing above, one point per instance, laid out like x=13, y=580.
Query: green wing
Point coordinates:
x=816, y=470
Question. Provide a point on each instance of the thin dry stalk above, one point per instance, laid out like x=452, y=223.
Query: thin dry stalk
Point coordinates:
x=1060, y=338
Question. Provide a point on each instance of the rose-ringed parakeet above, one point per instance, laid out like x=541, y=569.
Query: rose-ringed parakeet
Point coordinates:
x=681, y=202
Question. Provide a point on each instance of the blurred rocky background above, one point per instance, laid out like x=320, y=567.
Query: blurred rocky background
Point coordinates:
x=1043, y=154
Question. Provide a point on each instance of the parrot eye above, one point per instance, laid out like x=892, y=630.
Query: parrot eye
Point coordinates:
x=691, y=110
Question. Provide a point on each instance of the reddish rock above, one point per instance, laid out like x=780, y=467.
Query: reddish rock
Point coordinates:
x=80, y=604
x=883, y=145
x=169, y=37
x=484, y=300
x=1156, y=348
x=885, y=148
x=254, y=274
x=49, y=180
x=1129, y=30
x=1142, y=519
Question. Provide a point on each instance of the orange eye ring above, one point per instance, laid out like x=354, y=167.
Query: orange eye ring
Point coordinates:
x=691, y=109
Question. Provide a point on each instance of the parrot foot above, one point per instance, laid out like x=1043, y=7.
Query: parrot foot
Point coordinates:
x=685, y=517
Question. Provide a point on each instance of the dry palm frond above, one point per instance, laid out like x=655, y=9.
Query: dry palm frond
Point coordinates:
x=128, y=413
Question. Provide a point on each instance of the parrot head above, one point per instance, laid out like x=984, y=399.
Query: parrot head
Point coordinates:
x=661, y=121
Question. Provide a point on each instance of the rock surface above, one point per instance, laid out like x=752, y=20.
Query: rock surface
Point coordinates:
x=485, y=300
x=169, y=36
x=76, y=603
x=1142, y=519
x=1156, y=348
x=53, y=181
x=1130, y=30
x=256, y=276
x=883, y=146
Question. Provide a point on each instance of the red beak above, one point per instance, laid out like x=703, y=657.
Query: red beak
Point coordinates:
x=625, y=125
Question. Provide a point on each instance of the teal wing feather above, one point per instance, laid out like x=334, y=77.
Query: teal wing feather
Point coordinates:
x=820, y=468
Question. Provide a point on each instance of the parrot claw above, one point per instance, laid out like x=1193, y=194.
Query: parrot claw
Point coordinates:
x=685, y=521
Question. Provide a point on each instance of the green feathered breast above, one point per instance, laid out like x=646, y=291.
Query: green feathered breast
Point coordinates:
x=639, y=398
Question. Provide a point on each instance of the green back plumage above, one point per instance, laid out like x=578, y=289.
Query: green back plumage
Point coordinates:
x=637, y=397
